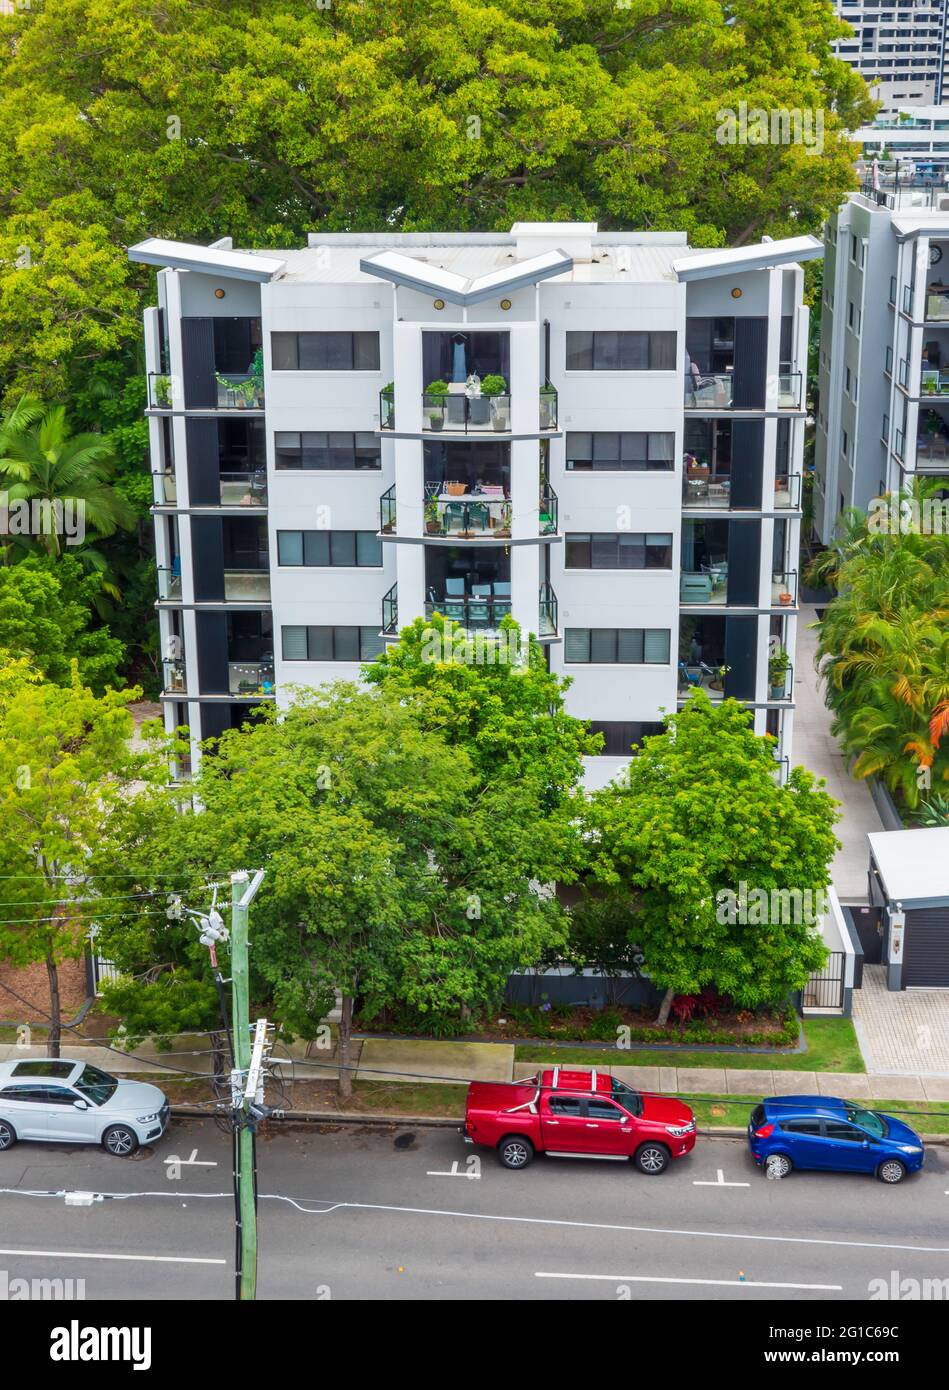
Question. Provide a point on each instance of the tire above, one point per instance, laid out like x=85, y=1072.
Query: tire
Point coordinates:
x=777, y=1166
x=891, y=1171
x=8, y=1135
x=652, y=1158
x=515, y=1151
x=120, y=1141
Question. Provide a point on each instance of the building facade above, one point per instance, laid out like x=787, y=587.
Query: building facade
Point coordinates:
x=899, y=47
x=598, y=433
x=883, y=381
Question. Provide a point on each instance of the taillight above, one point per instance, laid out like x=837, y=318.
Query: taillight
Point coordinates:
x=765, y=1132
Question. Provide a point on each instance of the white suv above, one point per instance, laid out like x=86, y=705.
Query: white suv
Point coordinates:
x=70, y=1102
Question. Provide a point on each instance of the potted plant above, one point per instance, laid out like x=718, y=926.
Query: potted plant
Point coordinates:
x=494, y=386
x=778, y=664
x=717, y=681
x=479, y=405
x=503, y=527
x=785, y=599
x=161, y=386
x=435, y=411
x=433, y=523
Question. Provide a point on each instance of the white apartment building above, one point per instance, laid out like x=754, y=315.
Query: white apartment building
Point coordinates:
x=883, y=392
x=599, y=433
x=900, y=49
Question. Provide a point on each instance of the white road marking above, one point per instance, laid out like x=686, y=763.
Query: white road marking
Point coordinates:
x=194, y=1160
x=89, y=1255
x=330, y=1207
x=661, y=1279
x=721, y=1181
x=454, y=1173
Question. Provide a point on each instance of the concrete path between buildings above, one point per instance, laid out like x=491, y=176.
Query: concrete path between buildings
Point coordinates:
x=816, y=749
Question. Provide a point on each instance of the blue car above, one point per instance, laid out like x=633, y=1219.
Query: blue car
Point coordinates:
x=835, y=1136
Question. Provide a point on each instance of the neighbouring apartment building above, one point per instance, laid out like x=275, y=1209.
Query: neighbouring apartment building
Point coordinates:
x=883, y=383
x=899, y=47
x=599, y=433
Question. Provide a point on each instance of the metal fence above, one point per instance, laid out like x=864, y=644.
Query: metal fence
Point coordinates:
x=825, y=988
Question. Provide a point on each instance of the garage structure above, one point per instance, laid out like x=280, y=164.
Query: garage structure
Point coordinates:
x=909, y=882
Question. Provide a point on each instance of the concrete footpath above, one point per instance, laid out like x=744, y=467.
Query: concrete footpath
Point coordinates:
x=456, y=1063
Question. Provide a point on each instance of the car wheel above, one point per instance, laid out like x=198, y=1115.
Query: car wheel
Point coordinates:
x=120, y=1141
x=777, y=1166
x=651, y=1158
x=891, y=1170
x=7, y=1136
x=515, y=1151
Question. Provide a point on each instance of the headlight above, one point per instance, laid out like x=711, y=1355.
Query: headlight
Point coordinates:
x=911, y=1148
x=147, y=1119
x=677, y=1131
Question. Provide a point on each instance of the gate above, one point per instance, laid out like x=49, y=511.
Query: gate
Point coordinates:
x=825, y=988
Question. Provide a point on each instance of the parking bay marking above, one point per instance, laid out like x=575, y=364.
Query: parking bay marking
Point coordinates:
x=720, y=1181
x=662, y=1279
x=454, y=1172
x=91, y=1255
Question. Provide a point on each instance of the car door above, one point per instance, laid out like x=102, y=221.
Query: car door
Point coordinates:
x=851, y=1150
x=563, y=1124
x=24, y=1105
x=805, y=1143
x=65, y=1122
x=611, y=1131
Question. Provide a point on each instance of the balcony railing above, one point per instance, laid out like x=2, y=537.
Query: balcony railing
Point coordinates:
x=787, y=491
x=454, y=412
x=242, y=585
x=236, y=391
x=899, y=445
x=467, y=516
x=907, y=300
x=181, y=769
x=781, y=689
x=714, y=494
x=549, y=512
x=549, y=406
x=248, y=489
x=932, y=449
x=387, y=408
x=708, y=392
x=784, y=589
x=169, y=582
x=471, y=610
x=166, y=489
x=390, y=611
x=387, y=511
x=790, y=385
x=174, y=678
x=548, y=612
x=937, y=306
x=250, y=678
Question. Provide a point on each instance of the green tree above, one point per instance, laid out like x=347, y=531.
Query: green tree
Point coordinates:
x=700, y=814
x=46, y=615
x=275, y=117
x=65, y=762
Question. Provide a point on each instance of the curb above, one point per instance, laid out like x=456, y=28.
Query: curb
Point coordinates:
x=323, y=1117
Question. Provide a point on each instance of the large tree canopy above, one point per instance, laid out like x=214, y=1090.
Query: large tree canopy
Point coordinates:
x=268, y=119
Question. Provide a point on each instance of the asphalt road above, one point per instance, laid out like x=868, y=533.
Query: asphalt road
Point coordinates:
x=393, y=1214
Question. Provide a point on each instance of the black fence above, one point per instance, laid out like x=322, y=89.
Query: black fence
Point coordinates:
x=825, y=988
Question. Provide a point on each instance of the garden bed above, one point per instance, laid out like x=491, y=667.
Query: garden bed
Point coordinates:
x=716, y=1026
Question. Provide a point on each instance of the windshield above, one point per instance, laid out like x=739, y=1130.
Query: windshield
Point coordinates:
x=626, y=1097
x=870, y=1121
x=98, y=1085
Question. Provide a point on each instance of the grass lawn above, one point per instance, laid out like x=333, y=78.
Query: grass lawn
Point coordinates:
x=831, y=1046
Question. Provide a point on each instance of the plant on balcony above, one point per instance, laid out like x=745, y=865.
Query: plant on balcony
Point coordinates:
x=717, y=681
x=435, y=414
x=493, y=385
x=161, y=386
x=503, y=528
x=778, y=664
x=433, y=523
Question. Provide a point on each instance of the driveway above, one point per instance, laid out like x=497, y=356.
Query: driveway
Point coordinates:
x=902, y=1032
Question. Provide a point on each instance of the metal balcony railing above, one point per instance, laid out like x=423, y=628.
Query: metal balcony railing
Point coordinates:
x=454, y=412
x=548, y=626
x=390, y=611
x=387, y=408
x=705, y=391
x=169, y=582
x=246, y=489
x=932, y=449
x=165, y=488
x=790, y=387
x=174, y=677
x=784, y=589
x=250, y=678
x=236, y=391
x=467, y=516
x=787, y=491
x=549, y=406
x=781, y=689
x=471, y=610
x=937, y=306
x=242, y=585
x=387, y=511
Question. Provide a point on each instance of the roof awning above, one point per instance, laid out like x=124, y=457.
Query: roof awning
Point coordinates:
x=184, y=255
x=417, y=274
x=761, y=255
x=913, y=865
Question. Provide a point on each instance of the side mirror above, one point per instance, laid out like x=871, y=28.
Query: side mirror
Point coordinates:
x=80, y=1105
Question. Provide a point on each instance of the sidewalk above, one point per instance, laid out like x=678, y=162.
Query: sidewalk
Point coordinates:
x=816, y=749
x=457, y=1063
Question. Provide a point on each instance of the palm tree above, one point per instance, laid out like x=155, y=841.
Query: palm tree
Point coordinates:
x=40, y=461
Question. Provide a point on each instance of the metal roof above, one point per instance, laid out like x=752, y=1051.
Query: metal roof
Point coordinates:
x=183, y=255
x=913, y=865
x=759, y=256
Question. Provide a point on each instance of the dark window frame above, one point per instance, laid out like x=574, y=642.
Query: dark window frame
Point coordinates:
x=615, y=660
x=626, y=346
x=623, y=462
x=599, y=543
x=335, y=539
x=307, y=443
x=288, y=349
x=362, y=632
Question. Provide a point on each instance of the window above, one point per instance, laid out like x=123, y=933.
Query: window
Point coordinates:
x=807, y=1127
x=603, y=1110
x=331, y=643
x=610, y=452
x=324, y=352
x=621, y=646
x=621, y=352
x=44, y=1068
x=96, y=1085
x=564, y=1105
x=320, y=549
x=327, y=449
x=625, y=550
x=837, y=1129
x=620, y=735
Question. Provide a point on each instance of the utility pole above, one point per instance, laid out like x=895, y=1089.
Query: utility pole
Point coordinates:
x=246, y=1107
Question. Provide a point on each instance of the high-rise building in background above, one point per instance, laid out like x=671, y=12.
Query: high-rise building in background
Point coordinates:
x=899, y=48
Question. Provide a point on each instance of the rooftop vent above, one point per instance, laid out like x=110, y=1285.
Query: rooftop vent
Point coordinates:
x=533, y=238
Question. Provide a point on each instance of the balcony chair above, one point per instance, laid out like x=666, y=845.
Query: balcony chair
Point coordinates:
x=454, y=513
x=455, y=588
x=695, y=588
x=502, y=588
x=454, y=608
x=478, y=515
x=478, y=612
x=481, y=590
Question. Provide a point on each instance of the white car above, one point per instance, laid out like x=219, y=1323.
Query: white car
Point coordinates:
x=68, y=1102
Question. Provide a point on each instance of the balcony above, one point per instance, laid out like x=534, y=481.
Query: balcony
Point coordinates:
x=784, y=589
x=790, y=390
x=174, y=678
x=708, y=391
x=243, y=489
x=455, y=514
x=937, y=304
x=453, y=412
x=247, y=585
x=706, y=493
x=484, y=611
x=169, y=582
x=250, y=679
x=780, y=684
x=237, y=391
x=387, y=511
x=709, y=585
x=548, y=612
x=932, y=451
x=165, y=489
x=390, y=612
x=181, y=769
x=387, y=408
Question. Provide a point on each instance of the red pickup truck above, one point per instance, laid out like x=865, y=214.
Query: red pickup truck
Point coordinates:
x=577, y=1114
